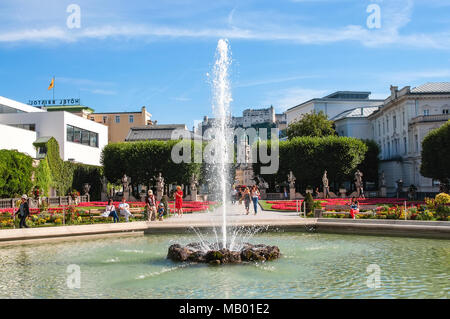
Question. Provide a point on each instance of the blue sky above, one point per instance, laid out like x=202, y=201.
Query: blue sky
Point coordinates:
x=158, y=53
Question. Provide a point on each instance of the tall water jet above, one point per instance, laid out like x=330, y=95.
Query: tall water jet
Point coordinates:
x=220, y=155
x=222, y=133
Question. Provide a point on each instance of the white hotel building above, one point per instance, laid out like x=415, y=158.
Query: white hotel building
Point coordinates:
x=80, y=140
x=399, y=127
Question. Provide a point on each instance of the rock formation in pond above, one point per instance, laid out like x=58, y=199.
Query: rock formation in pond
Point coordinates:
x=193, y=252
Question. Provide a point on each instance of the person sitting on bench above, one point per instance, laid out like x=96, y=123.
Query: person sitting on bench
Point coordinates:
x=125, y=209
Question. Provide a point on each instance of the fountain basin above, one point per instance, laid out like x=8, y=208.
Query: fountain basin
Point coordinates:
x=194, y=252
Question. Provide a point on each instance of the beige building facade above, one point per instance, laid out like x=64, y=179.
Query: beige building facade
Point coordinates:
x=120, y=123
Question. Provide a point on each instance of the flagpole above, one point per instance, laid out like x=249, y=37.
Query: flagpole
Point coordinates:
x=53, y=88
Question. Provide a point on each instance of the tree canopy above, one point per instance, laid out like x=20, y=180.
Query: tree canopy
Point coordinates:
x=436, y=154
x=15, y=173
x=311, y=124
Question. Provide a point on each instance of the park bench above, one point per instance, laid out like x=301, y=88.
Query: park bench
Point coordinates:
x=96, y=212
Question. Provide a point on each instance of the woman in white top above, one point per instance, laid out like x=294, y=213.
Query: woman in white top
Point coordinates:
x=255, y=198
x=110, y=211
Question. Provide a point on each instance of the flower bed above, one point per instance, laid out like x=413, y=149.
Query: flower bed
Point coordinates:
x=81, y=214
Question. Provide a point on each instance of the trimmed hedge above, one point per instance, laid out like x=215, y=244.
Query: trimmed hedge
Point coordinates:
x=308, y=157
x=436, y=155
x=143, y=161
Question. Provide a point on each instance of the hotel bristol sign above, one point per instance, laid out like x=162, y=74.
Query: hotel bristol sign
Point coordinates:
x=68, y=101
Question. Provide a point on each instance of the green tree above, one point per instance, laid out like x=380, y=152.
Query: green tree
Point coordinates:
x=369, y=165
x=311, y=124
x=15, y=173
x=436, y=155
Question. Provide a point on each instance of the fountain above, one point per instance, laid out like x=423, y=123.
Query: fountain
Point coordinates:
x=233, y=249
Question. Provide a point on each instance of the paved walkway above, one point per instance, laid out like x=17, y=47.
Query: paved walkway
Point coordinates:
x=235, y=217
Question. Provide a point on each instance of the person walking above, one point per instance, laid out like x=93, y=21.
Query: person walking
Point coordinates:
x=179, y=201
x=23, y=211
x=110, y=211
x=150, y=203
x=255, y=197
x=246, y=199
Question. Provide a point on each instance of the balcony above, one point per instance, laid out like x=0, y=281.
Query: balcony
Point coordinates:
x=430, y=118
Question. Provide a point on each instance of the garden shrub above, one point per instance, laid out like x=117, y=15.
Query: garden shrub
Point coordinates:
x=15, y=173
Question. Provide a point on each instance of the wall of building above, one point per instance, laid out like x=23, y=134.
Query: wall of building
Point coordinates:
x=354, y=127
x=13, y=138
x=119, y=131
x=54, y=124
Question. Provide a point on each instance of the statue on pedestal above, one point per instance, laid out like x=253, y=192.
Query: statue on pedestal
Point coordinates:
x=291, y=180
x=382, y=180
x=193, y=187
x=159, y=186
x=326, y=188
x=359, y=183
x=125, y=185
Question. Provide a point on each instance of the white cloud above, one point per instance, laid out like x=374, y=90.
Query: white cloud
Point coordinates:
x=287, y=98
x=251, y=25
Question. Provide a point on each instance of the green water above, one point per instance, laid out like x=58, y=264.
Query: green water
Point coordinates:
x=312, y=266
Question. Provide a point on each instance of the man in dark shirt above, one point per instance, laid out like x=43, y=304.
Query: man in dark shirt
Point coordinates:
x=23, y=211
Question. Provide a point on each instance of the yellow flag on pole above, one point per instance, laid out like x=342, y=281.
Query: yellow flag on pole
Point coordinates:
x=52, y=84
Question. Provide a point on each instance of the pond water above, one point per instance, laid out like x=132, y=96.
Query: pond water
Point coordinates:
x=312, y=266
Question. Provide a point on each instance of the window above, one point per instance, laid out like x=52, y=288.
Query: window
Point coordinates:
x=29, y=127
x=117, y=118
x=416, y=138
x=105, y=119
x=131, y=118
x=389, y=150
x=387, y=125
x=403, y=117
x=445, y=111
x=405, y=150
x=426, y=112
x=394, y=121
x=69, y=133
x=85, y=137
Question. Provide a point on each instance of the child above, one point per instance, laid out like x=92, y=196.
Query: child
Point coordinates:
x=161, y=211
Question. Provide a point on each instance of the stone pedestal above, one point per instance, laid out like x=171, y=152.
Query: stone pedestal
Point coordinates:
x=291, y=193
x=193, y=195
x=342, y=192
x=383, y=191
x=159, y=194
x=299, y=196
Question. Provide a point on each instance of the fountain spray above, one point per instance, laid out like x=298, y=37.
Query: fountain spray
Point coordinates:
x=221, y=108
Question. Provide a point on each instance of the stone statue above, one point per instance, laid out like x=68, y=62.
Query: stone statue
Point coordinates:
x=125, y=182
x=159, y=187
x=291, y=180
x=326, y=188
x=86, y=188
x=382, y=179
x=262, y=184
x=193, y=182
x=359, y=183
